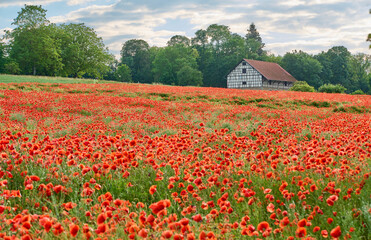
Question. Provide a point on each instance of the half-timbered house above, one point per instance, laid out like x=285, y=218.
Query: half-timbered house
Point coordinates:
x=259, y=75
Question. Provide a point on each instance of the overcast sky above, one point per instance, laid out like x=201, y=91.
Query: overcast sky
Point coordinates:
x=309, y=25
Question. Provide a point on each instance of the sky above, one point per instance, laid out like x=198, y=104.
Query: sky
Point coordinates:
x=308, y=25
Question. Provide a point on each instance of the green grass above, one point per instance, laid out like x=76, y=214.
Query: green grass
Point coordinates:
x=41, y=79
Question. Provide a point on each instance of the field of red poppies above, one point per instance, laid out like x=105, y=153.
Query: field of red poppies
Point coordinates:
x=130, y=161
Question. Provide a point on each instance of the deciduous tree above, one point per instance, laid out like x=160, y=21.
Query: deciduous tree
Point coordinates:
x=188, y=76
x=170, y=60
x=2, y=57
x=303, y=67
x=123, y=73
x=136, y=55
x=179, y=39
x=83, y=52
x=360, y=68
x=32, y=43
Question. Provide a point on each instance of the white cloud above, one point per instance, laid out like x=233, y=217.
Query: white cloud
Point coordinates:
x=11, y=3
x=78, y=2
x=291, y=3
x=318, y=2
x=80, y=13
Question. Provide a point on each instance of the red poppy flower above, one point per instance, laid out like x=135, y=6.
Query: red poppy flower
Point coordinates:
x=336, y=232
x=74, y=229
x=301, y=232
x=197, y=218
x=263, y=226
x=152, y=189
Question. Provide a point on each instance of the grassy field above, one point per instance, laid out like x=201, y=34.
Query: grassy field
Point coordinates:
x=40, y=79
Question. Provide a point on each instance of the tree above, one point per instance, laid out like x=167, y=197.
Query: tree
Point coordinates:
x=123, y=73
x=335, y=67
x=270, y=57
x=111, y=73
x=188, y=76
x=218, y=34
x=201, y=43
x=339, y=57
x=136, y=55
x=12, y=67
x=83, y=52
x=32, y=43
x=200, y=39
x=170, y=60
x=224, y=52
x=2, y=57
x=179, y=39
x=359, y=68
x=303, y=67
x=369, y=35
x=254, y=42
x=31, y=17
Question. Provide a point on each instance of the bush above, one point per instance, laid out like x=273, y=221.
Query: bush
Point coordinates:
x=12, y=68
x=188, y=76
x=302, y=86
x=123, y=73
x=331, y=88
x=358, y=92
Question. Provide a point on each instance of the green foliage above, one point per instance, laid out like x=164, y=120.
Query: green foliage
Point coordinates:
x=302, y=86
x=30, y=17
x=33, y=44
x=12, y=68
x=359, y=67
x=358, y=92
x=335, y=67
x=188, y=76
x=123, y=73
x=332, y=88
x=303, y=67
x=2, y=57
x=40, y=48
x=219, y=55
x=178, y=39
x=170, y=60
x=136, y=55
x=254, y=42
x=83, y=52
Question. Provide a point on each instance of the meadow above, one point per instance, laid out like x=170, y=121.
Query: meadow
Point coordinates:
x=132, y=161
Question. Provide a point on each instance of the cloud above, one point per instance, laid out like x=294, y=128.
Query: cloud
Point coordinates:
x=78, y=2
x=11, y=3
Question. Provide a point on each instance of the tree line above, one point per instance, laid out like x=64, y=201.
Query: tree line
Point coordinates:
x=36, y=46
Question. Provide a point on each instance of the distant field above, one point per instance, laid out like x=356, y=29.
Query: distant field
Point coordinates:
x=40, y=79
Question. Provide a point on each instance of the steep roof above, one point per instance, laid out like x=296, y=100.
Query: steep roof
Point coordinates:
x=271, y=71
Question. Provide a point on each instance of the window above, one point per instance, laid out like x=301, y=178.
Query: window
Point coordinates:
x=270, y=82
x=243, y=63
x=244, y=70
x=285, y=83
x=243, y=83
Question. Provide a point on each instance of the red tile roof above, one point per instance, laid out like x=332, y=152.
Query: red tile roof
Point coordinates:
x=271, y=71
